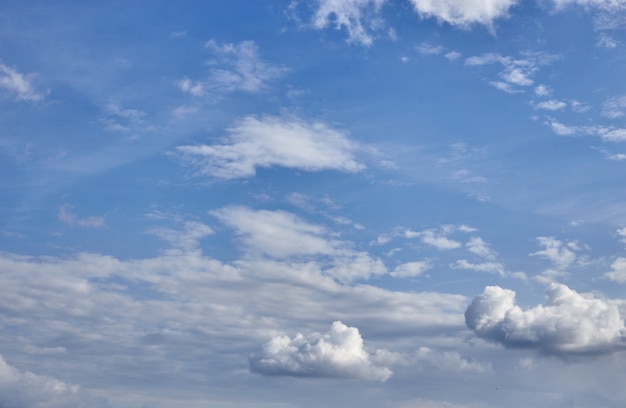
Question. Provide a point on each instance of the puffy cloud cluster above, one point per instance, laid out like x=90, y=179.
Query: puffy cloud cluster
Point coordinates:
x=274, y=141
x=569, y=322
x=463, y=12
x=19, y=389
x=336, y=354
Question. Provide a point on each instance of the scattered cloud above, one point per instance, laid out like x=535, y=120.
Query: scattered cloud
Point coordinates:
x=615, y=107
x=277, y=234
x=438, y=238
x=551, y=105
x=188, y=238
x=518, y=72
x=274, y=141
x=606, y=41
x=430, y=49
x=477, y=246
x=489, y=267
x=560, y=253
x=568, y=323
x=608, y=134
x=464, y=13
x=66, y=215
x=411, y=269
x=453, y=55
x=542, y=90
x=357, y=17
x=18, y=84
x=340, y=353
x=618, y=270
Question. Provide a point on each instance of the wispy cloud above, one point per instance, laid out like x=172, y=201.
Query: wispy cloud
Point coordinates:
x=258, y=142
x=20, y=85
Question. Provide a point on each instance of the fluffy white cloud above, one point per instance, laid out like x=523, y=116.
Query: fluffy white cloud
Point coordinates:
x=479, y=247
x=274, y=141
x=569, y=322
x=618, y=270
x=19, y=84
x=337, y=354
x=561, y=254
x=464, y=12
x=23, y=389
x=358, y=17
x=411, y=269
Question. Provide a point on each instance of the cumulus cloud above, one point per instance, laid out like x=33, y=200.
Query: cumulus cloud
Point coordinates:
x=19, y=85
x=340, y=353
x=66, y=215
x=357, y=17
x=479, y=247
x=274, y=141
x=464, y=13
x=489, y=267
x=188, y=238
x=23, y=389
x=569, y=322
x=618, y=270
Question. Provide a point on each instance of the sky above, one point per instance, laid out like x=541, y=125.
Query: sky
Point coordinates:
x=276, y=203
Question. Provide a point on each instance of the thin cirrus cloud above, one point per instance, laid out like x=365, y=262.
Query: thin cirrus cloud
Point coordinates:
x=66, y=215
x=268, y=141
x=236, y=67
x=569, y=322
x=339, y=353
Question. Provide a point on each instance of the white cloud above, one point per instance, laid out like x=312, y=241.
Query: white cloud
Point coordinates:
x=618, y=270
x=464, y=13
x=453, y=55
x=479, y=247
x=429, y=49
x=569, y=322
x=438, y=238
x=551, y=105
x=518, y=72
x=236, y=67
x=278, y=234
x=602, y=4
x=19, y=84
x=542, y=90
x=188, y=238
x=607, y=41
x=489, y=267
x=274, y=141
x=559, y=253
x=358, y=17
x=411, y=269
x=23, y=389
x=615, y=107
x=349, y=266
x=448, y=362
x=622, y=233
x=337, y=354
x=66, y=215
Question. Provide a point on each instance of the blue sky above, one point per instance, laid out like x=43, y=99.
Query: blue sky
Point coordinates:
x=376, y=203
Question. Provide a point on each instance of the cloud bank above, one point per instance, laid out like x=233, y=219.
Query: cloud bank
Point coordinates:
x=569, y=322
x=336, y=354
